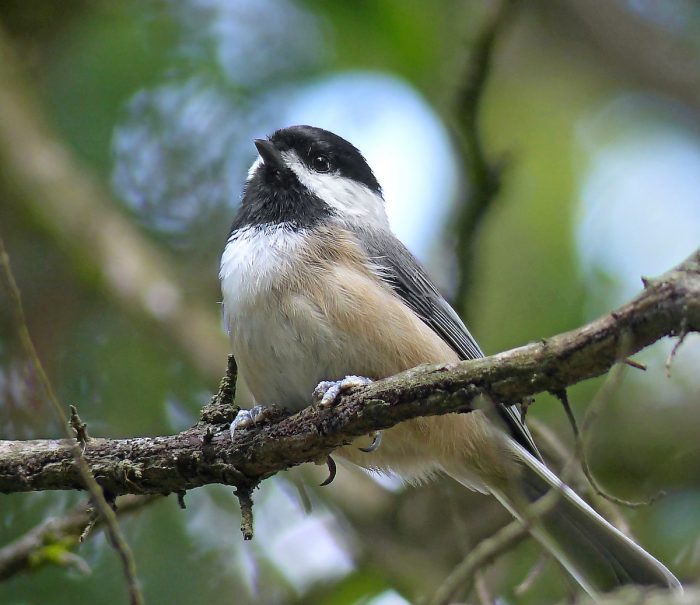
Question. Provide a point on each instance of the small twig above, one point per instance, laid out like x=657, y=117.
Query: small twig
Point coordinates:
x=79, y=427
x=181, y=498
x=221, y=408
x=93, y=517
x=525, y=406
x=227, y=387
x=681, y=337
x=563, y=397
x=580, y=454
x=604, y=394
x=24, y=553
x=482, y=589
x=245, y=499
x=633, y=363
x=116, y=537
x=532, y=575
x=555, y=449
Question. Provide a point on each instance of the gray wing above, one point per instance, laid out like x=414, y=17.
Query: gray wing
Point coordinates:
x=397, y=267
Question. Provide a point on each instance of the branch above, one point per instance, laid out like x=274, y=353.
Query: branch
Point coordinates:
x=38, y=547
x=204, y=454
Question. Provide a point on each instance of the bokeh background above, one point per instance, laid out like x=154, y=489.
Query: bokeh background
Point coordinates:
x=589, y=116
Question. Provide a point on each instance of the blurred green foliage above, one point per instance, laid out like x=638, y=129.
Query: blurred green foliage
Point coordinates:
x=89, y=61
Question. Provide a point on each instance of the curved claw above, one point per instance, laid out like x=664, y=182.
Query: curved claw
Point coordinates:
x=374, y=446
x=332, y=468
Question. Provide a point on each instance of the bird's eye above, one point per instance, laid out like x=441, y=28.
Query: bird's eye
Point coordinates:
x=321, y=163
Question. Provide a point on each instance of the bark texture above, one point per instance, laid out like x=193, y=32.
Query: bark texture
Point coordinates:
x=204, y=454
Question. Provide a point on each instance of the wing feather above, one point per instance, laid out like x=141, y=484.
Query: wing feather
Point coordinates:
x=398, y=268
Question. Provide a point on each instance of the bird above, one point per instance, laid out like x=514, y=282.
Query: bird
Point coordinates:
x=319, y=296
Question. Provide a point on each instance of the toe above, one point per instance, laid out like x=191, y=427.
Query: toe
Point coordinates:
x=258, y=414
x=354, y=381
x=330, y=395
x=321, y=389
x=327, y=391
x=242, y=420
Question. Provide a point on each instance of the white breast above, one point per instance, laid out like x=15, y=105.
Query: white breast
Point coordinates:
x=253, y=262
x=280, y=339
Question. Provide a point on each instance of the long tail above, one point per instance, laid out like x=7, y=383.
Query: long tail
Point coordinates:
x=596, y=554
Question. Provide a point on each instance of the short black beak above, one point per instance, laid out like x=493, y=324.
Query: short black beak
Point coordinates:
x=270, y=154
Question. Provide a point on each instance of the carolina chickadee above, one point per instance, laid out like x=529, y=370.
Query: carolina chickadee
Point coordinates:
x=317, y=288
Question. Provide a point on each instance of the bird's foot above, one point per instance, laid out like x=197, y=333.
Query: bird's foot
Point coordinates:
x=327, y=391
x=255, y=416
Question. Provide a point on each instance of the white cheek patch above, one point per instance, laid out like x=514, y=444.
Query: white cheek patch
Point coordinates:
x=253, y=168
x=351, y=199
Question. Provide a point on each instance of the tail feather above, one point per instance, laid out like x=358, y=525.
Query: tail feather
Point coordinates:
x=596, y=554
